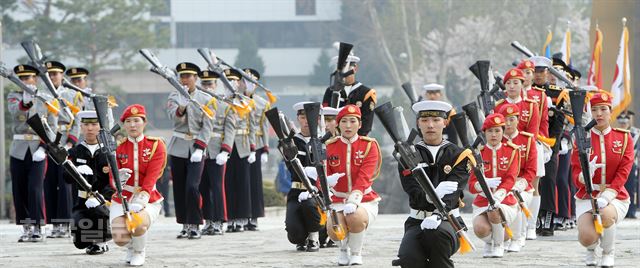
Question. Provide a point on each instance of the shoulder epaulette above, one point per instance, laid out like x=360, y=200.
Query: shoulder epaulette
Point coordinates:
x=622, y=130
x=526, y=133
x=530, y=100
x=120, y=142
x=367, y=138
x=537, y=88
x=512, y=145
x=554, y=87
x=499, y=102
x=332, y=140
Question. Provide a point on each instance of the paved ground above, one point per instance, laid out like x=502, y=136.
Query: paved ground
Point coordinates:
x=269, y=248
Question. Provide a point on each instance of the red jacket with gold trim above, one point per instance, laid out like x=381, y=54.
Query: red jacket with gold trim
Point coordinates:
x=503, y=162
x=528, y=156
x=529, y=115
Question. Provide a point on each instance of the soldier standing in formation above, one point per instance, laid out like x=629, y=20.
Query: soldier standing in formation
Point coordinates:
x=625, y=119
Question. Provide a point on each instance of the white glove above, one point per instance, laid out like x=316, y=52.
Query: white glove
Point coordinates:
x=124, y=174
x=251, y=158
x=26, y=97
x=304, y=196
x=182, y=100
x=264, y=158
x=332, y=179
x=520, y=185
x=499, y=195
x=445, y=188
x=222, y=157
x=564, y=146
x=430, y=223
x=593, y=166
x=311, y=172
x=84, y=170
x=135, y=207
x=196, y=156
x=92, y=202
x=349, y=208
x=493, y=182
x=39, y=155
x=602, y=202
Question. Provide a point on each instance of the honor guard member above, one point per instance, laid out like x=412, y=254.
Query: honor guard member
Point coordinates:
x=237, y=174
x=28, y=161
x=218, y=150
x=526, y=142
x=302, y=220
x=610, y=163
x=78, y=76
x=331, y=130
x=624, y=120
x=91, y=229
x=501, y=163
x=57, y=193
x=429, y=241
x=359, y=158
x=529, y=111
x=258, y=122
x=191, y=133
x=433, y=92
x=355, y=93
x=141, y=161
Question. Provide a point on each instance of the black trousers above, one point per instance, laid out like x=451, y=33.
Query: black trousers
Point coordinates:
x=212, y=190
x=186, y=193
x=238, y=187
x=547, y=185
x=301, y=219
x=562, y=185
x=632, y=187
x=427, y=248
x=90, y=225
x=257, y=196
x=58, y=194
x=27, y=178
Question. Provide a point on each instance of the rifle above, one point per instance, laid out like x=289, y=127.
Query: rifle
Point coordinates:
x=460, y=123
x=337, y=77
x=482, y=70
x=37, y=60
x=289, y=152
x=553, y=71
x=51, y=107
x=59, y=155
x=318, y=155
x=108, y=148
x=583, y=142
x=410, y=159
x=168, y=74
x=471, y=109
x=248, y=77
x=411, y=93
x=214, y=65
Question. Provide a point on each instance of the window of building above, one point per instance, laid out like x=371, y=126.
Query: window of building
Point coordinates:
x=305, y=7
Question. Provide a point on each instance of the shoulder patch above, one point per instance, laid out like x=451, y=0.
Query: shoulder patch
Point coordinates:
x=526, y=133
x=622, y=130
x=371, y=94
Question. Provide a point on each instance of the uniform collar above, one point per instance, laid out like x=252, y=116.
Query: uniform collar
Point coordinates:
x=601, y=133
x=136, y=140
x=513, y=136
x=349, y=89
x=516, y=100
x=492, y=148
x=349, y=141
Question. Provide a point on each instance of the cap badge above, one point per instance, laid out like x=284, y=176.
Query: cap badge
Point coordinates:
x=605, y=97
x=134, y=110
x=513, y=72
x=351, y=109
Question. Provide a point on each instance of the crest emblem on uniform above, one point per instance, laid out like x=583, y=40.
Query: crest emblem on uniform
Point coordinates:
x=359, y=104
x=351, y=109
x=617, y=147
x=20, y=68
x=513, y=72
x=134, y=110
x=447, y=169
x=105, y=169
x=146, y=152
x=605, y=97
x=525, y=114
x=359, y=154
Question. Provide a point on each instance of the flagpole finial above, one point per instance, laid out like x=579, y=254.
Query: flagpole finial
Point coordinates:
x=624, y=21
x=549, y=27
x=568, y=23
x=597, y=25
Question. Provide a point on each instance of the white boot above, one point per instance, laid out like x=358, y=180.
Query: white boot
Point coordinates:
x=355, y=244
x=531, y=222
x=138, y=245
x=488, y=250
x=607, y=241
x=590, y=258
x=127, y=258
x=517, y=226
x=497, y=235
x=607, y=259
x=344, y=255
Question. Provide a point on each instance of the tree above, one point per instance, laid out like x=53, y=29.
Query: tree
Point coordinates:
x=321, y=70
x=248, y=54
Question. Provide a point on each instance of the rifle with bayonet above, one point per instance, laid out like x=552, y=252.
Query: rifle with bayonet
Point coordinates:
x=249, y=77
x=318, y=156
x=342, y=71
x=460, y=123
x=289, y=152
x=214, y=65
x=410, y=159
x=166, y=73
x=51, y=107
x=482, y=70
x=37, y=60
x=553, y=71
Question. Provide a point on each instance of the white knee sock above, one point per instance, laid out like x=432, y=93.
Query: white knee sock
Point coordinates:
x=497, y=234
x=355, y=242
x=517, y=227
x=138, y=242
x=534, y=208
x=608, y=239
x=313, y=236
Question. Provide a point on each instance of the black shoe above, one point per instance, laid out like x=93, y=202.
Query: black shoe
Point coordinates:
x=194, y=234
x=251, y=227
x=239, y=229
x=183, y=234
x=546, y=232
x=54, y=233
x=559, y=227
x=97, y=249
x=217, y=231
x=301, y=247
x=36, y=237
x=231, y=228
x=207, y=230
x=331, y=244
x=313, y=246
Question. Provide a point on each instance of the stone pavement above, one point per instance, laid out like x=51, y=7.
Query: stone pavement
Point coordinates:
x=270, y=248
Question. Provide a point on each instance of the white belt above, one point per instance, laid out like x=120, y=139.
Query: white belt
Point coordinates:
x=184, y=136
x=346, y=195
x=242, y=132
x=421, y=214
x=130, y=188
x=597, y=187
x=216, y=135
x=83, y=194
x=25, y=137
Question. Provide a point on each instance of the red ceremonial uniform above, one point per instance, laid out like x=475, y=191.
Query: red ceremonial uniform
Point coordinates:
x=358, y=158
x=528, y=156
x=614, y=148
x=502, y=162
x=538, y=95
x=529, y=114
